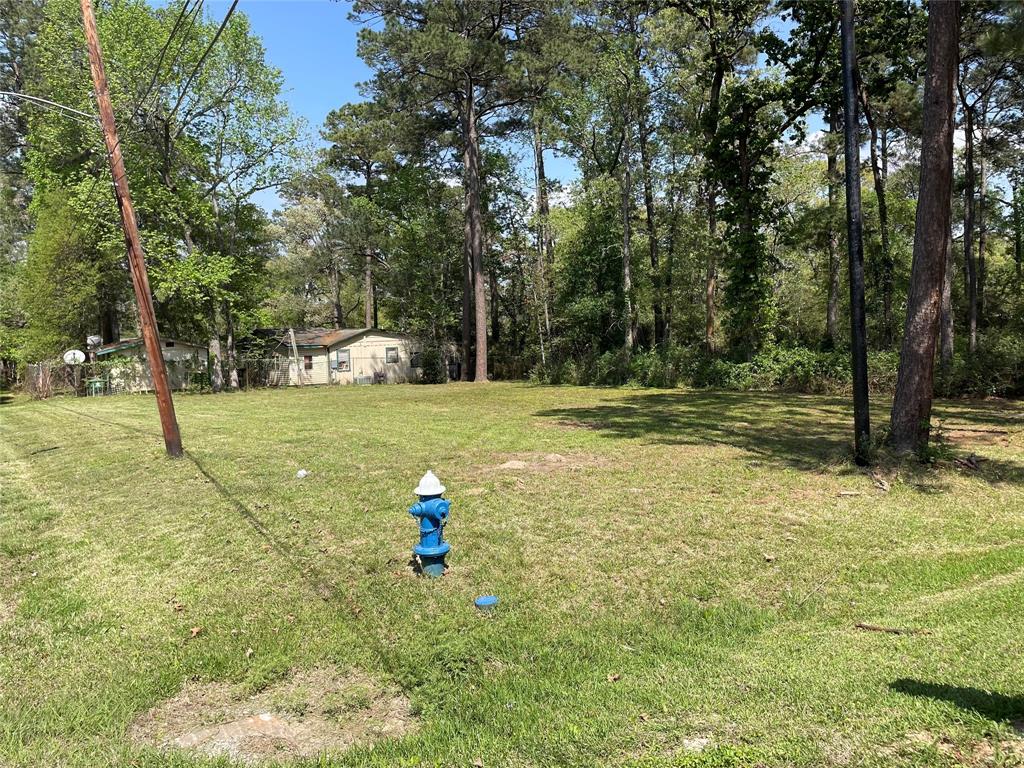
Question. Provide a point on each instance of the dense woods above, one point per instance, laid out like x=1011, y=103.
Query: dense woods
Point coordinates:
x=698, y=238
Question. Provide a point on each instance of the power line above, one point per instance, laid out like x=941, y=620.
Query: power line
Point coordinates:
x=163, y=51
x=63, y=108
x=202, y=60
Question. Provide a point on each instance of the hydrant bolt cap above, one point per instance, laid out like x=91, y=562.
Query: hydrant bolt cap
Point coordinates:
x=429, y=485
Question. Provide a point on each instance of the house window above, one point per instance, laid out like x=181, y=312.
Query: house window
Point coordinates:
x=390, y=354
x=414, y=360
x=307, y=362
x=168, y=343
x=341, y=360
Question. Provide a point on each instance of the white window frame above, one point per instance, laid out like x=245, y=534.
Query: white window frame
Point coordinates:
x=336, y=363
x=387, y=356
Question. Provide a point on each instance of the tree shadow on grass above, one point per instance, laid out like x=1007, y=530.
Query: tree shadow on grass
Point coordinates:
x=769, y=425
x=994, y=706
x=805, y=432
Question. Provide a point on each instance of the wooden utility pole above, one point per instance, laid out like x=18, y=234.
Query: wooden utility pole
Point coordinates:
x=136, y=257
x=855, y=244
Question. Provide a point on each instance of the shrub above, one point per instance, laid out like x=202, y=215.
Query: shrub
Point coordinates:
x=433, y=369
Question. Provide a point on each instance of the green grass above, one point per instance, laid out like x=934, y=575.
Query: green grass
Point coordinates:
x=694, y=544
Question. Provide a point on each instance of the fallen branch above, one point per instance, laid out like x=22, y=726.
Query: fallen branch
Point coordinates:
x=890, y=630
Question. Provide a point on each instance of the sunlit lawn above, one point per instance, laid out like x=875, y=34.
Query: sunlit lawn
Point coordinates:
x=679, y=585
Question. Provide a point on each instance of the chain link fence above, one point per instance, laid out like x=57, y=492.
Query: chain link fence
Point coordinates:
x=131, y=375
x=110, y=377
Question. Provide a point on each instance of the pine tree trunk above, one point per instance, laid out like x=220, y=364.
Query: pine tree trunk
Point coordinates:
x=545, y=244
x=885, y=260
x=339, y=311
x=657, y=302
x=657, y=299
x=970, y=265
x=911, y=412
x=711, y=269
x=474, y=219
x=834, y=255
x=982, y=234
x=368, y=321
x=627, y=253
x=946, y=311
x=1018, y=236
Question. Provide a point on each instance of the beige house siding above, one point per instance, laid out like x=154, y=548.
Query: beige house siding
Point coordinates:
x=367, y=361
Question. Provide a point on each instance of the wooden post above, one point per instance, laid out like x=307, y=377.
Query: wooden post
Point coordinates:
x=855, y=244
x=136, y=257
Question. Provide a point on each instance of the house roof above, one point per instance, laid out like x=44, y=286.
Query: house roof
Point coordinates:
x=318, y=337
x=132, y=342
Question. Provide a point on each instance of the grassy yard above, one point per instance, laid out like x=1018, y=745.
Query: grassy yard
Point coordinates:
x=681, y=575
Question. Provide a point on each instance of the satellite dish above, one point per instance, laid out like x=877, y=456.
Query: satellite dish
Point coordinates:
x=74, y=357
x=94, y=341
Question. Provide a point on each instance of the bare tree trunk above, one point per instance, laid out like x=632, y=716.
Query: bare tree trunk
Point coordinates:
x=878, y=177
x=627, y=252
x=912, y=406
x=711, y=192
x=492, y=282
x=982, y=187
x=368, y=290
x=657, y=302
x=946, y=311
x=545, y=245
x=110, y=327
x=670, y=259
x=834, y=257
x=970, y=265
x=1018, y=225
x=340, y=315
x=216, y=364
x=467, y=271
x=471, y=162
x=230, y=341
x=657, y=299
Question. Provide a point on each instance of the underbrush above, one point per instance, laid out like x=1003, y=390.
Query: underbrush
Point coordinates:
x=995, y=369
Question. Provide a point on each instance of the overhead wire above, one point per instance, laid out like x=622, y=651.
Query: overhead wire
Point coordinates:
x=196, y=8
x=202, y=59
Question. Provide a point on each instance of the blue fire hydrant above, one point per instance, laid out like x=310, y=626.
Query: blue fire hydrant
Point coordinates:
x=432, y=512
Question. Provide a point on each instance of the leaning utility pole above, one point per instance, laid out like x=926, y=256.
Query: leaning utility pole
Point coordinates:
x=136, y=258
x=855, y=244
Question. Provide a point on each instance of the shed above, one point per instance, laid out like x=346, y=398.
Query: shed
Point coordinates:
x=345, y=356
x=130, y=373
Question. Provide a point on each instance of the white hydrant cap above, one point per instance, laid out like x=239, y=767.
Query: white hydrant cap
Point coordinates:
x=429, y=485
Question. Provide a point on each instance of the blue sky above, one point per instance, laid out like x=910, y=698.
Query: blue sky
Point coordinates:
x=313, y=43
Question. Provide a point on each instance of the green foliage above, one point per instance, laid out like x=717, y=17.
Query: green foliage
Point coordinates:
x=61, y=281
x=432, y=364
x=790, y=369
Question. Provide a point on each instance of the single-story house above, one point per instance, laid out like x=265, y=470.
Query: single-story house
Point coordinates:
x=343, y=356
x=130, y=373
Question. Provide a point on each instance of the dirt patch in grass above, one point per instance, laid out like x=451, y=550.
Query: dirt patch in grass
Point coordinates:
x=979, y=754
x=310, y=713
x=966, y=437
x=548, y=462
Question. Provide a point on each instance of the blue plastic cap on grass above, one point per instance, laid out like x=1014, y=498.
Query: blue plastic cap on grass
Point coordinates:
x=486, y=602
